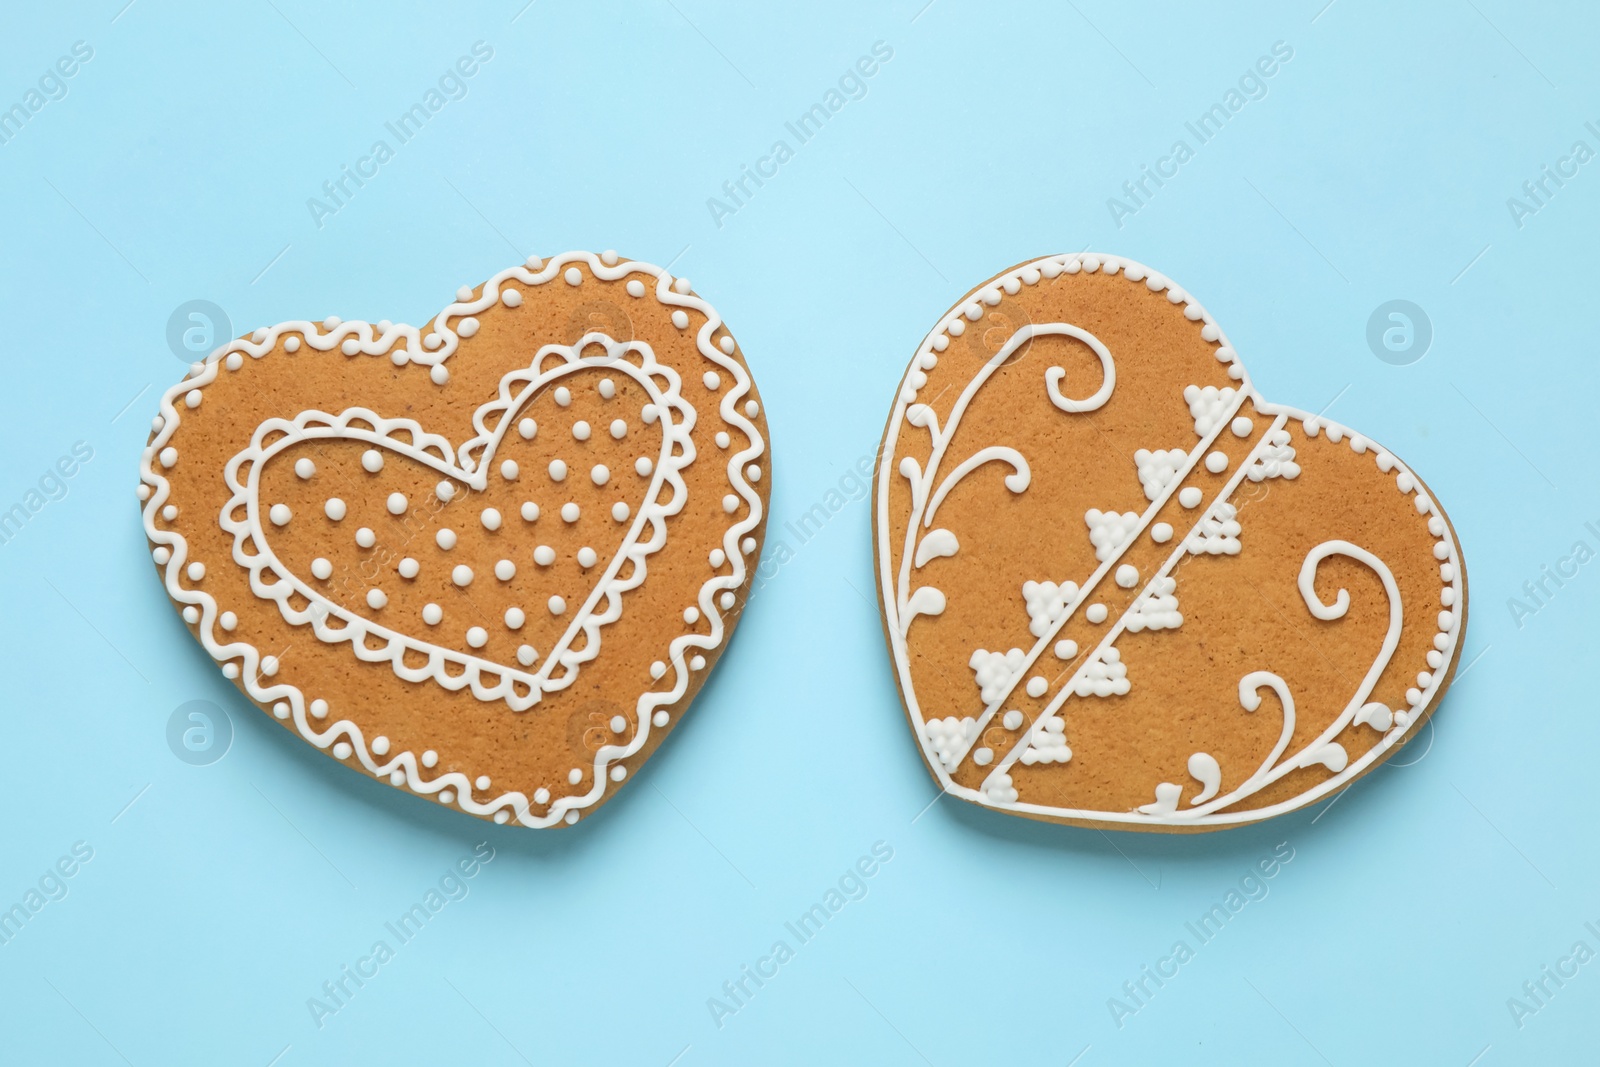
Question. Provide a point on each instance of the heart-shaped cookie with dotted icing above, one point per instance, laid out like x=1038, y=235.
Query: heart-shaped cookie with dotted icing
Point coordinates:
x=1122, y=589
x=489, y=561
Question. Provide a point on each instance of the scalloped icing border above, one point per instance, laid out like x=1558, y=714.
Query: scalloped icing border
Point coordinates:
x=433, y=349
x=667, y=471
x=989, y=295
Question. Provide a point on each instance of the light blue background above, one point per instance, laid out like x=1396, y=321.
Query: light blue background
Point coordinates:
x=1377, y=167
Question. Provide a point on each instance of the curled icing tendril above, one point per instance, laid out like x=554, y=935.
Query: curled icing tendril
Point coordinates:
x=1323, y=750
x=925, y=500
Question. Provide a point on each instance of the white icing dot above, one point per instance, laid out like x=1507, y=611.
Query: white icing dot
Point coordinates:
x=511, y=298
x=228, y=621
x=1012, y=720
x=505, y=570
x=230, y=670
x=1127, y=576
x=269, y=665
x=334, y=508
x=366, y=538
x=697, y=663
x=291, y=345
x=730, y=503
x=657, y=669
x=430, y=759
x=726, y=344
x=619, y=511
x=376, y=598
x=580, y=430
x=445, y=538
x=1216, y=463
x=587, y=557
x=751, y=408
x=446, y=796
x=372, y=461
x=278, y=513
x=607, y=388
x=197, y=571
x=712, y=379
x=544, y=555
x=648, y=413
x=1037, y=686
x=680, y=320
x=618, y=773
x=1096, y=613
x=432, y=614
x=569, y=511
x=575, y=776
x=437, y=372
x=481, y=783
x=1066, y=649
x=161, y=555
x=461, y=575
x=191, y=614
x=619, y=429
x=527, y=428
x=169, y=456
x=143, y=491
x=660, y=718
x=691, y=615
x=1190, y=496
x=530, y=511
x=509, y=470
x=635, y=287
x=192, y=398
x=573, y=276
x=397, y=503
x=563, y=396
x=444, y=491
x=321, y=569
x=748, y=545
x=753, y=472
x=281, y=710
x=304, y=468
x=718, y=558
x=527, y=655
x=1242, y=426
x=515, y=618
x=319, y=708
x=727, y=600
x=409, y=568
x=643, y=466
x=723, y=440
x=557, y=605
x=490, y=519
x=477, y=636
x=600, y=474
x=1161, y=533
x=235, y=361
x=558, y=470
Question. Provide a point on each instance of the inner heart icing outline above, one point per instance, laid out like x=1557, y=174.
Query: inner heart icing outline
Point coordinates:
x=975, y=751
x=665, y=300
x=519, y=689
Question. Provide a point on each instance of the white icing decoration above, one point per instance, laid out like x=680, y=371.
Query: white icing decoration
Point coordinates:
x=1110, y=531
x=1217, y=532
x=1157, y=607
x=998, y=788
x=1159, y=469
x=1047, y=604
x=994, y=671
x=432, y=348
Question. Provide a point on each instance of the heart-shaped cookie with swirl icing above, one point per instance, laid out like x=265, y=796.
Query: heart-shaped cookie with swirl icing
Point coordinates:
x=489, y=561
x=1121, y=589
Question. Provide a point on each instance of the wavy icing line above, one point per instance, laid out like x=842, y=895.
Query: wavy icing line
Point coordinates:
x=953, y=324
x=432, y=349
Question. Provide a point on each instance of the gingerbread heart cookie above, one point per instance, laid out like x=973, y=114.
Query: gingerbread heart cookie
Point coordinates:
x=489, y=561
x=1122, y=589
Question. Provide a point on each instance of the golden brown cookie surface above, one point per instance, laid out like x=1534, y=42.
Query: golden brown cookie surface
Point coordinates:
x=489, y=560
x=1122, y=589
